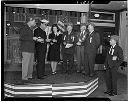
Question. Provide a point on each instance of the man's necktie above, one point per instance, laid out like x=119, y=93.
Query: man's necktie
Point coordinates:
x=110, y=51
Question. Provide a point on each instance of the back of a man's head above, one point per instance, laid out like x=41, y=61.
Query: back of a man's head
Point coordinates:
x=29, y=18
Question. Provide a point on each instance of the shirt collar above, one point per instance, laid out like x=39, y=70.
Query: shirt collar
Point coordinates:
x=114, y=45
x=92, y=32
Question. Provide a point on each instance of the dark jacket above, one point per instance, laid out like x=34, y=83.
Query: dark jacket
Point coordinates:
x=92, y=47
x=26, y=38
x=38, y=32
x=114, y=63
x=69, y=39
x=77, y=37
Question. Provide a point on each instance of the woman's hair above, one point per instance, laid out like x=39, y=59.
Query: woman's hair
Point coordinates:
x=55, y=25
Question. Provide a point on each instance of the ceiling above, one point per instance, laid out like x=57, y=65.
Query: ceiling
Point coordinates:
x=112, y=5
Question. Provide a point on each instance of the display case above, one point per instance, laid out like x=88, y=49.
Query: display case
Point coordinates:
x=102, y=16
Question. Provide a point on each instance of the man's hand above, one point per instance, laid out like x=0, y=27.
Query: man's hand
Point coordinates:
x=68, y=45
x=51, y=43
x=64, y=43
x=35, y=38
x=78, y=43
x=114, y=58
x=104, y=67
x=54, y=40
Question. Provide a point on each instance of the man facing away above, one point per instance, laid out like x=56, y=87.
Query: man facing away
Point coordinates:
x=27, y=48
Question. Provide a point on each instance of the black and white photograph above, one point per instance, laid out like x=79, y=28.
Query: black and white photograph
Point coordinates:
x=63, y=51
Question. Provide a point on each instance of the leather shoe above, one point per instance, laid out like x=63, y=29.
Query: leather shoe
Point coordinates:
x=30, y=78
x=107, y=92
x=41, y=78
x=114, y=93
x=111, y=94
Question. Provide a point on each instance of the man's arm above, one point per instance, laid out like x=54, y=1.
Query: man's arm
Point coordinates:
x=97, y=39
x=120, y=56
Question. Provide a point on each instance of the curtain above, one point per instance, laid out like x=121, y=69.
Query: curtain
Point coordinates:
x=123, y=33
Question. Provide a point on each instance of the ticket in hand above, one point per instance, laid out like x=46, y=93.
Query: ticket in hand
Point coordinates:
x=68, y=45
x=114, y=58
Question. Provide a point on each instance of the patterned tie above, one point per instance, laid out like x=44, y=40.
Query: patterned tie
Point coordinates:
x=110, y=51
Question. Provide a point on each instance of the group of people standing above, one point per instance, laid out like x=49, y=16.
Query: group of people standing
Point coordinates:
x=85, y=43
x=64, y=41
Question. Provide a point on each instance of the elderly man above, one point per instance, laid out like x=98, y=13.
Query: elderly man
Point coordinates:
x=27, y=48
x=68, y=48
x=41, y=48
x=91, y=46
x=80, y=38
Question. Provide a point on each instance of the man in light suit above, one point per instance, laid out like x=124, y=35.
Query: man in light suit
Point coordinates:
x=91, y=46
x=113, y=60
x=80, y=37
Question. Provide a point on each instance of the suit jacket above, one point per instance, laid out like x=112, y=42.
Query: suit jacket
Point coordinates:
x=82, y=37
x=69, y=39
x=92, y=43
x=109, y=62
x=38, y=32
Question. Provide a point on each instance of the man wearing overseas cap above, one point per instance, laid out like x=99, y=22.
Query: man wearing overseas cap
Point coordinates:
x=41, y=47
x=113, y=60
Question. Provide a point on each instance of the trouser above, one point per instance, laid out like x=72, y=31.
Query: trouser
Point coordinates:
x=89, y=63
x=40, y=67
x=68, y=61
x=111, y=80
x=80, y=56
x=27, y=65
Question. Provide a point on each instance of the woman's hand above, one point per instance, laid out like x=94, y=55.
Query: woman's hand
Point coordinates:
x=48, y=40
x=40, y=40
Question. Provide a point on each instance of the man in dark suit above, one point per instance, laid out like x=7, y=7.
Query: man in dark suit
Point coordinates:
x=91, y=45
x=113, y=60
x=68, y=48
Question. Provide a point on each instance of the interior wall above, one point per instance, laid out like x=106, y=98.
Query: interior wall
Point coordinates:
x=123, y=34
